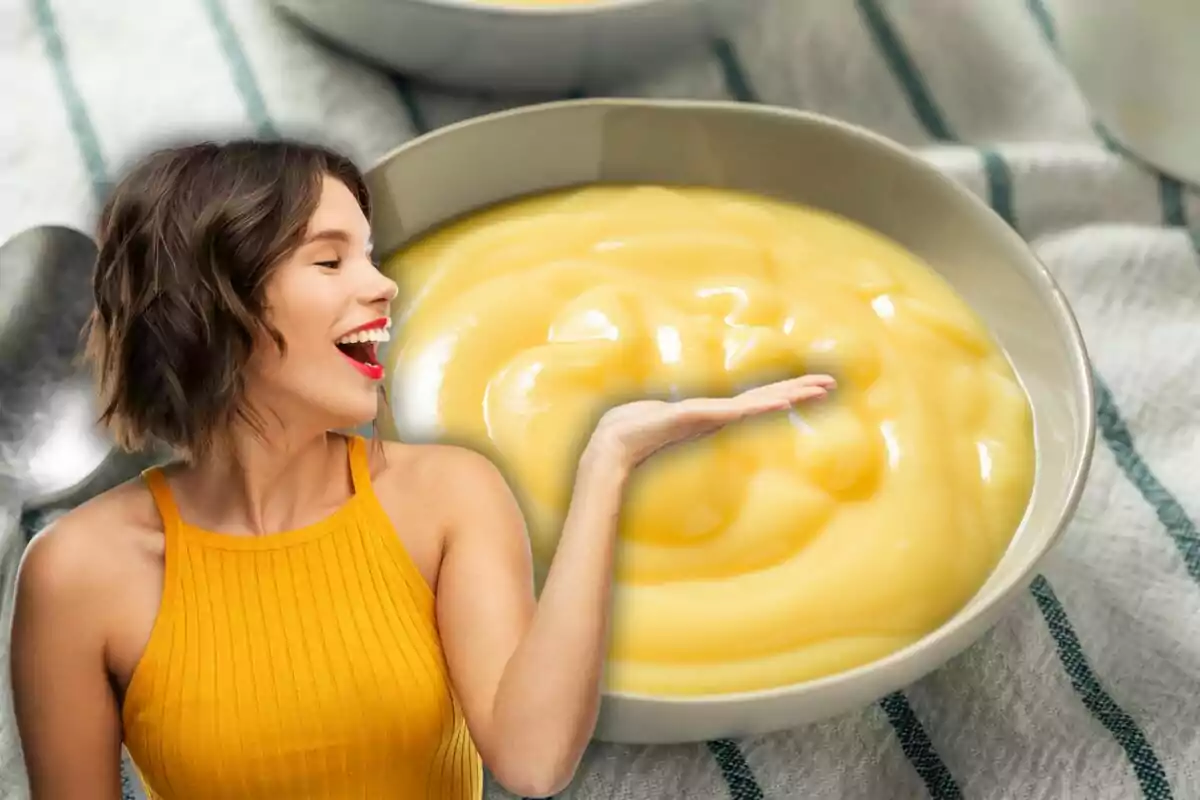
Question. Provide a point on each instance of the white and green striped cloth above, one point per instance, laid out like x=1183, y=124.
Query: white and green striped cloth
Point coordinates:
x=1090, y=687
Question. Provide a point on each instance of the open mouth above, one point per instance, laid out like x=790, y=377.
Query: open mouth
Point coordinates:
x=361, y=349
x=362, y=352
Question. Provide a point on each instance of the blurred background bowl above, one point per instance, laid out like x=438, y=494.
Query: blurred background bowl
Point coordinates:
x=510, y=45
x=820, y=162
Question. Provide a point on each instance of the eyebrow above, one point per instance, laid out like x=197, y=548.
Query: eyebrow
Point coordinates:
x=334, y=234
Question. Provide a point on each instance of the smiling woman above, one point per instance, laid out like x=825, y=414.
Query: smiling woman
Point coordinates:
x=250, y=620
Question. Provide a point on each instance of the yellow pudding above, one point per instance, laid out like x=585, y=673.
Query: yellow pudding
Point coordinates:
x=780, y=549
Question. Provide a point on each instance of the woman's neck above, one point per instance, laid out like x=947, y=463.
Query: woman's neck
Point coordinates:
x=255, y=485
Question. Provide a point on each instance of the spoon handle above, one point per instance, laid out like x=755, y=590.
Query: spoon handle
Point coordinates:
x=13, y=782
x=12, y=546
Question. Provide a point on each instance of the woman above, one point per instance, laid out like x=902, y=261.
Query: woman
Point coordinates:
x=284, y=611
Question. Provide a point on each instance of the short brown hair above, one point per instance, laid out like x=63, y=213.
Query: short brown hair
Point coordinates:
x=187, y=242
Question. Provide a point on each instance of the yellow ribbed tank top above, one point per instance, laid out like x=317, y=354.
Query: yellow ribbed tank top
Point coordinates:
x=303, y=664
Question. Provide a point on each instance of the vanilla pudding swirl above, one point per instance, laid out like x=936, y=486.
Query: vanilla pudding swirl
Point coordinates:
x=780, y=549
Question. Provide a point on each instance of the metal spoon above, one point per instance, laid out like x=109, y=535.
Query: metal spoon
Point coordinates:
x=51, y=450
x=49, y=441
x=42, y=273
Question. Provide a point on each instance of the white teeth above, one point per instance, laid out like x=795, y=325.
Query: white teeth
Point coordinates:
x=373, y=335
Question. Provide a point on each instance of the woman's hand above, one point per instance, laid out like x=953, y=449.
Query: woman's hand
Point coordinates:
x=634, y=431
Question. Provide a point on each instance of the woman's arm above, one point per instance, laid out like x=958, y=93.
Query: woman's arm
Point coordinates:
x=529, y=675
x=66, y=712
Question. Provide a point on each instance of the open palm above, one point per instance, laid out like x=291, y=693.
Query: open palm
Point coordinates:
x=639, y=429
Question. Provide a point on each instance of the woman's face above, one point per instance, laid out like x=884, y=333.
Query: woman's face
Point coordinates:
x=331, y=305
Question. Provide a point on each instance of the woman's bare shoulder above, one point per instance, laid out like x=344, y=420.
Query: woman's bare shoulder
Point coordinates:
x=78, y=557
x=435, y=468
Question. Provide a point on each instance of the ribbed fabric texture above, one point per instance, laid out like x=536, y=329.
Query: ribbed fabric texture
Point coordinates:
x=304, y=664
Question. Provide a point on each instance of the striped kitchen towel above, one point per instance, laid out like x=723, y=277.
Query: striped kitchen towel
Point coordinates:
x=1090, y=686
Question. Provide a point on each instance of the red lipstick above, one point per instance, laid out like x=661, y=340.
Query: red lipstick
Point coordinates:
x=373, y=325
x=363, y=355
x=372, y=371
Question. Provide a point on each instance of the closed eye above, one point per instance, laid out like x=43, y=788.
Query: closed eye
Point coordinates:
x=330, y=264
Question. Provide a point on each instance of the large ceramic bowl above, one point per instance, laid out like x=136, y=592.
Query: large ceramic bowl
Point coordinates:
x=830, y=165
x=521, y=45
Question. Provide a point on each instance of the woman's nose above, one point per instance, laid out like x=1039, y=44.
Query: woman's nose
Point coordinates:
x=382, y=290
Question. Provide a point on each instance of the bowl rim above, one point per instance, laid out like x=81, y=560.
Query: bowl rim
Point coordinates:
x=509, y=8
x=953, y=632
